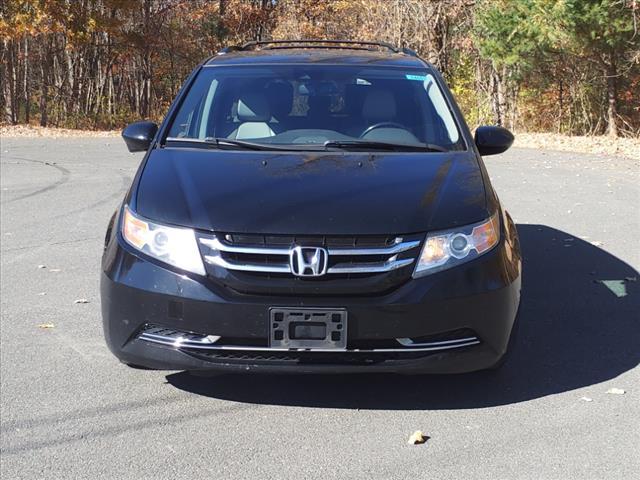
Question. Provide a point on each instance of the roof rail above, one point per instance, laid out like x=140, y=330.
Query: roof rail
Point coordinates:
x=409, y=51
x=229, y=49
x=309, y=43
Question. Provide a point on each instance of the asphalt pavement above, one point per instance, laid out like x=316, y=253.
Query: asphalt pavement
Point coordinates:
x=69, y=409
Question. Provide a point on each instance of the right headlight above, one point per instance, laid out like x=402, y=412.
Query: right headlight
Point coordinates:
x=173, y=245
x=448, y=248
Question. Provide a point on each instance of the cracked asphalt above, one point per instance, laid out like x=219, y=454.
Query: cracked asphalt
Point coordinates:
x=70, y=410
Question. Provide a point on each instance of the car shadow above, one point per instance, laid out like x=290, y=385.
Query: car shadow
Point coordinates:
x=575, y=331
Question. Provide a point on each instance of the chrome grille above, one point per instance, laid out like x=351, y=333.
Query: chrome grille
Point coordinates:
x=177, y=338
x=272, y=254
x=200, y=342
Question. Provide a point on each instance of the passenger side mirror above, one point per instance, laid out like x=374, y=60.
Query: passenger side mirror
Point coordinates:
x=138, y=135
x=492, y=140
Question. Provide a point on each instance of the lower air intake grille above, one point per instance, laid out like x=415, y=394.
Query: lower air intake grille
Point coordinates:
x=214, y=348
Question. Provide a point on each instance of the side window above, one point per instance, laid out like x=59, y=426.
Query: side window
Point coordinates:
x=183, y=124
x=207, y=117
x=442, y=109
x=195, y=113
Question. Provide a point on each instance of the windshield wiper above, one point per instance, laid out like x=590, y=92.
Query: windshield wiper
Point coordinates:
x=227, y=142
x=399, y=147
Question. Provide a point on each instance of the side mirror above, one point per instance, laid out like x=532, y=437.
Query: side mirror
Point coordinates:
x=493, y=140
x=138, y=135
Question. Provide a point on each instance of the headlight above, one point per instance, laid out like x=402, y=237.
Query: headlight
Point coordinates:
x=449, y=248
x=175, y=246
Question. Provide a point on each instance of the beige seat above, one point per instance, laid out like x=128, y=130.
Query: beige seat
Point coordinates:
x=253, y=113
x=380, y=107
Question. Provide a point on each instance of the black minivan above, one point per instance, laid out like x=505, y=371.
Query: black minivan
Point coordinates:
x=312, y=206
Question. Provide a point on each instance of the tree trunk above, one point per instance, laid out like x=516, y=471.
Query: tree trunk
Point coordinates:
x=560, y=105
x=612, y=96
x=498, y=97
x=222, y=10
x=25, y=85
x=44, y=85
x=5, y=100
x=12, y=76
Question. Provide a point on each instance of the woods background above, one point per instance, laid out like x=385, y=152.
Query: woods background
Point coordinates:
x=566, y=66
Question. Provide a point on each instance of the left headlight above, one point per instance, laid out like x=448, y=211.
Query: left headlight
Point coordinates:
x=175, y=246
x=449, y=248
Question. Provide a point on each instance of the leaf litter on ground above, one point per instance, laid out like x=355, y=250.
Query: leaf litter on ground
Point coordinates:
x=417, y=438
x=616, y=391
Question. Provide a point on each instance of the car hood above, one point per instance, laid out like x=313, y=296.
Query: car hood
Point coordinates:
x=314, y=193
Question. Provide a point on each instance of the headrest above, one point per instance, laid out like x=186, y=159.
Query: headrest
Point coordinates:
x=379, y=105
x=354, y=97
x=253, y=107
x=280, y=95
x=319, y=105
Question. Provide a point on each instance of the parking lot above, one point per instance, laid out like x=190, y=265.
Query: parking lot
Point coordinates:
x=69, y=409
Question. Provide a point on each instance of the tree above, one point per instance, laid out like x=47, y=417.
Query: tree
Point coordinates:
x=513, y=35
x=568, y=65
x=605, y=32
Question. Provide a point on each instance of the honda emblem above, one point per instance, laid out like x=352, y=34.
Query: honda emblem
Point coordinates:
x=309, y=261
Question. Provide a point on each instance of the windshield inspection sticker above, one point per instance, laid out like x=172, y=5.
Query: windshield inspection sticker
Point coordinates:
x=419, y=78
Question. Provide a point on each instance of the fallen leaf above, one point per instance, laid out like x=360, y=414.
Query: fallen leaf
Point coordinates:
x=46, y=325
x=81, y=300
x=616, y=391
x=417, y=438
x=586, y=399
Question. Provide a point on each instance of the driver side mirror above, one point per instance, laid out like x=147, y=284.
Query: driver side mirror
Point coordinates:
x=138, y=135
x=492, y=140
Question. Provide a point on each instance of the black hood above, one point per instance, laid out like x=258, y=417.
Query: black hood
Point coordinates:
x=309, y=193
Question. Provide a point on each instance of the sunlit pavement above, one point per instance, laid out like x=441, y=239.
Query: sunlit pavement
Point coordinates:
x=70, y=410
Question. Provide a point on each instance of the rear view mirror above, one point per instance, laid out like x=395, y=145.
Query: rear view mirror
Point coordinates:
x=493, y=140
x=138, y=135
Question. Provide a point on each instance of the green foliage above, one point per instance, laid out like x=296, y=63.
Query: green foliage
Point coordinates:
x=578, y=47
x=601, y=25
x=463, y=86
x=516, y=32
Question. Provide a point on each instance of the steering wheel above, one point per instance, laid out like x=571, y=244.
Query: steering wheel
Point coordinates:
x=380, y=125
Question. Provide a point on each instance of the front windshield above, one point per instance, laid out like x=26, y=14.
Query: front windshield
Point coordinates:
x=315, y=104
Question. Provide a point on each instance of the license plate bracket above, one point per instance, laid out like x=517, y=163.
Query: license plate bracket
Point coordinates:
x=308, y=328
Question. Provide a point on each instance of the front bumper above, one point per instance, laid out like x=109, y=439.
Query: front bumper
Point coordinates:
x=481, y=296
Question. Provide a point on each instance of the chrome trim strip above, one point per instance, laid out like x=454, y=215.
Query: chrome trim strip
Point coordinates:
x=285, y=268
x=215, y=244
x=372, y=267
x=169, y=341
x=393, y=249
x=407, y=342
x=180, y=341
x=247, y=267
